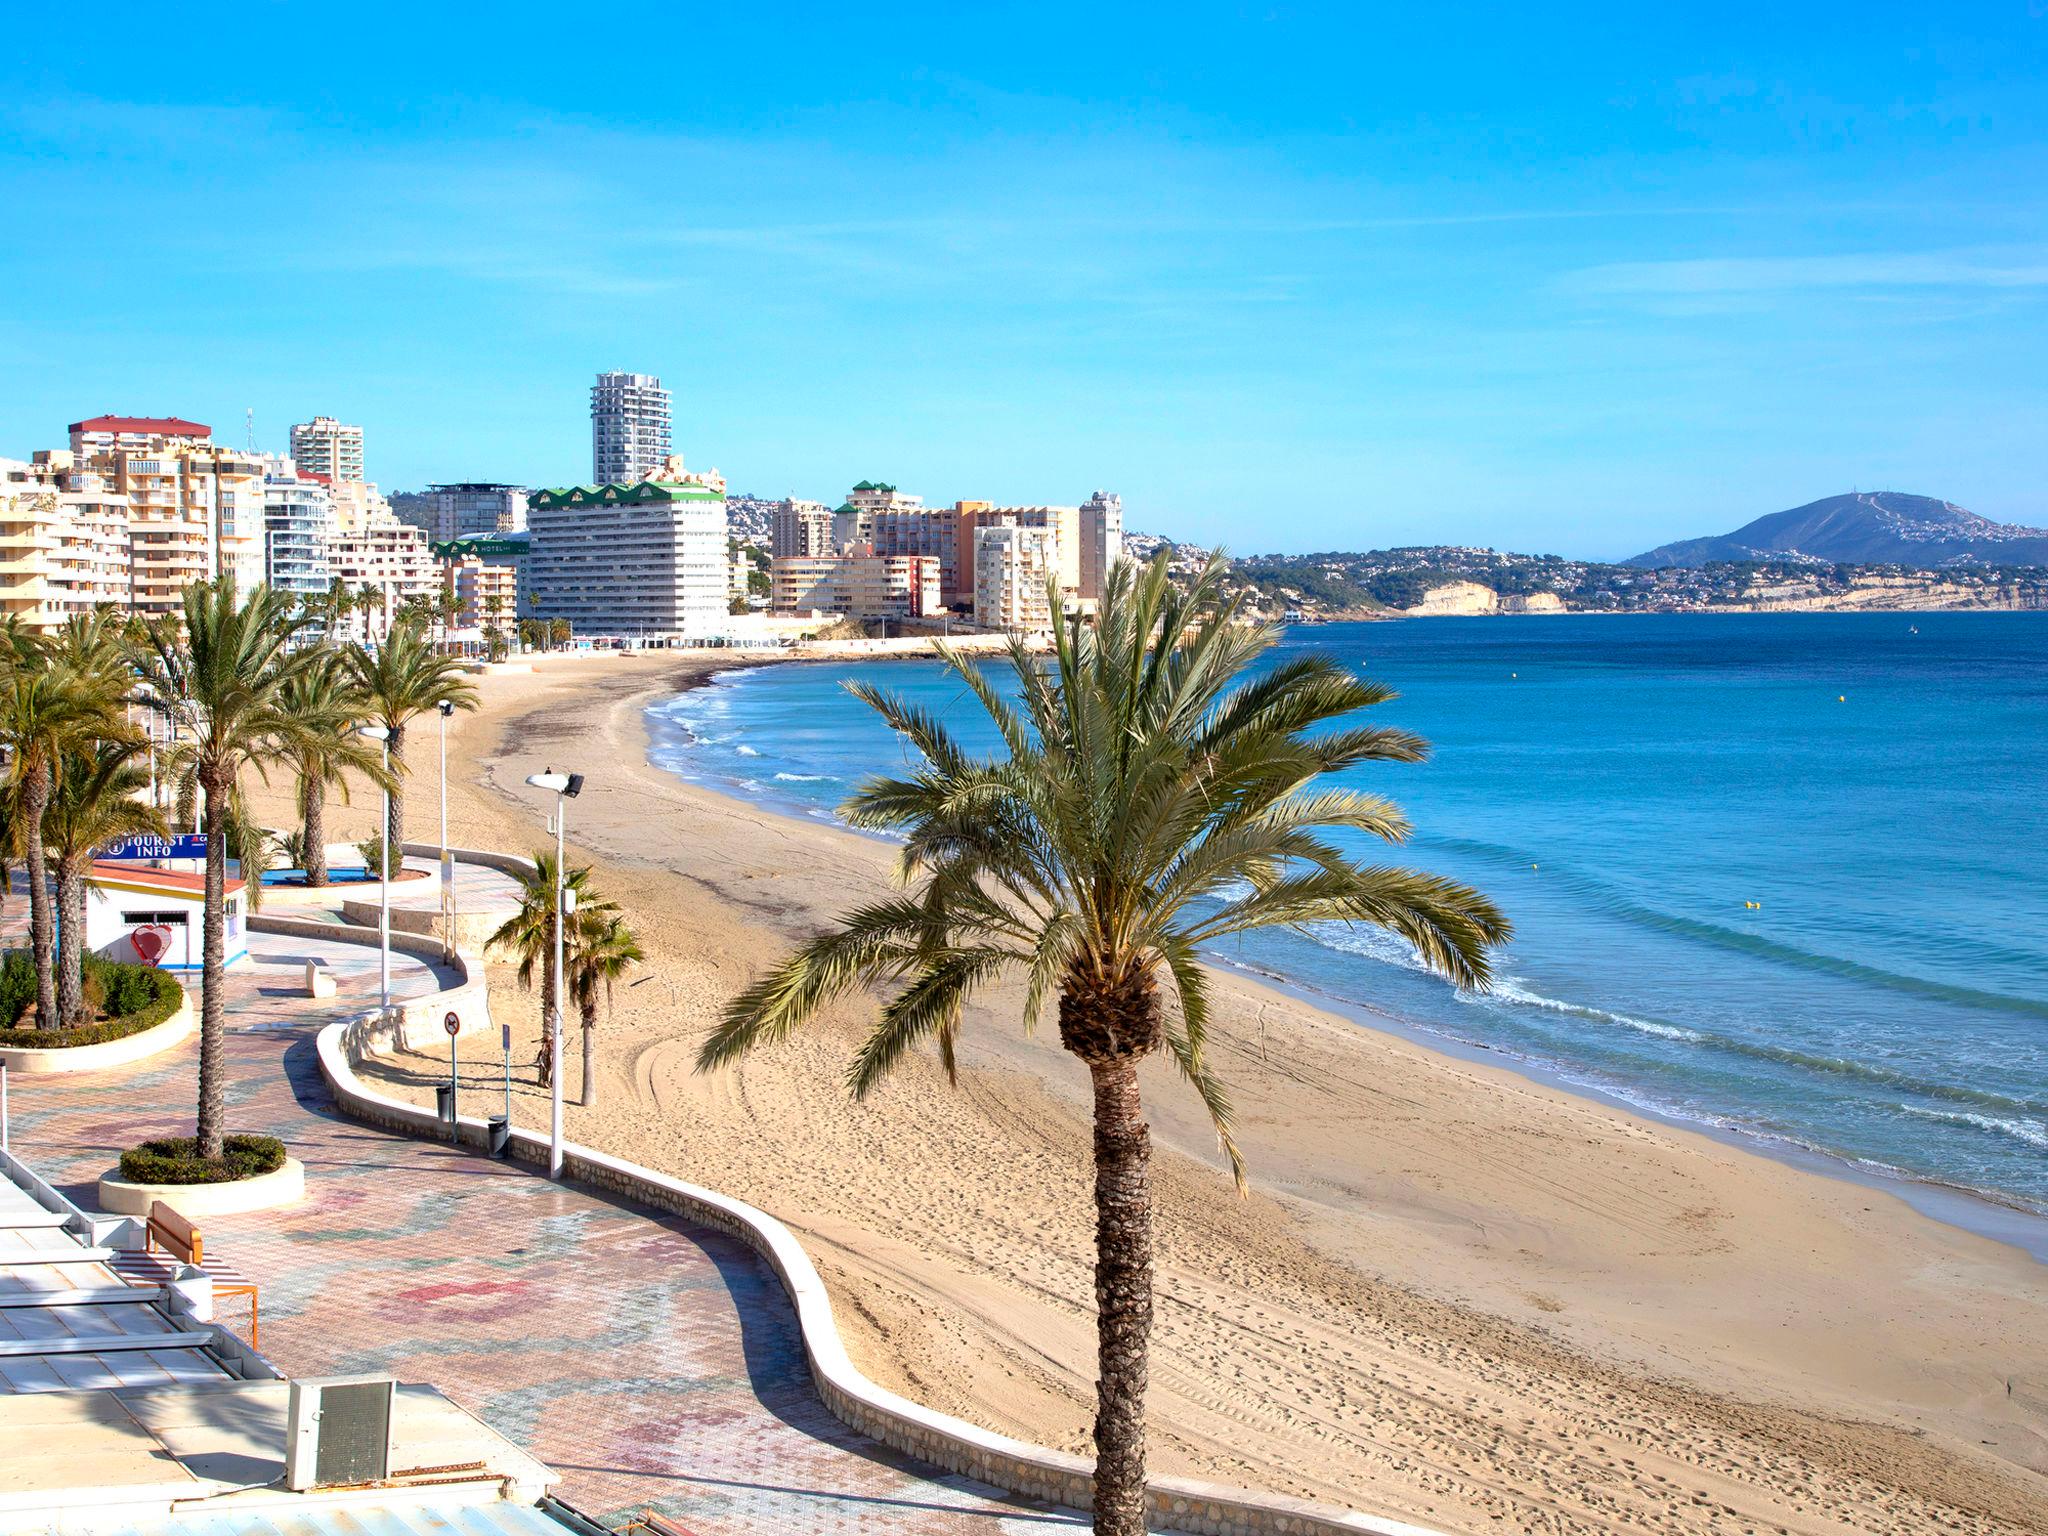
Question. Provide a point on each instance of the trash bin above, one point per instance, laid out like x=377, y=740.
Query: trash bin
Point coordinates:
x=501, y=1136
x=444, y=1103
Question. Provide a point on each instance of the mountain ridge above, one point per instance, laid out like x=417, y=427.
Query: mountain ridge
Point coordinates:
x=1864, y=528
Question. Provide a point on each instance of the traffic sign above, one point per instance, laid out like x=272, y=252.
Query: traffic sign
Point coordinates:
x=453, y=1023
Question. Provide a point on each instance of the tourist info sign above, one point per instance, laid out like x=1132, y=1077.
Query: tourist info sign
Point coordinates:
x=189, y=845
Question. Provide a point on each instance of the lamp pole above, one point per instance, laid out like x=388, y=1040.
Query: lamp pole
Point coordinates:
x=382, y=737
x=447, y=708
x=565, y=787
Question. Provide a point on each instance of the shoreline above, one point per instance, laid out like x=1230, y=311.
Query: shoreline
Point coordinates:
x=1988, y=1213
x=1455, y=1295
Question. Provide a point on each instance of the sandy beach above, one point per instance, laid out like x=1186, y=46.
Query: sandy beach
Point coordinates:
x=1454, y=1296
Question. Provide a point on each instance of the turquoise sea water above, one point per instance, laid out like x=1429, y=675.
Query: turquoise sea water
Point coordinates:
x=1623, y=787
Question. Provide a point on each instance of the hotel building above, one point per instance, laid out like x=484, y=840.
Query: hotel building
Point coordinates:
x=646, y=560
x=1102, y=542
x=63, y=542
x=298, y=528
x=324, y=446
x=195, y=507
x=629, y=427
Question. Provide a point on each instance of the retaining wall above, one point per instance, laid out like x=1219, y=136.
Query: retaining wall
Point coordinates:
x=1178, y=1504
x=34, y=1060
x=416, y=1022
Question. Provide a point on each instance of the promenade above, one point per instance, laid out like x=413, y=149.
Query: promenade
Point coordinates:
x=654, y=1364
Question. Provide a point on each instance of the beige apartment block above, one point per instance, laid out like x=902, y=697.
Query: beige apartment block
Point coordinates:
x=324, y=446
x=859, y=583
x=802, y=529
x=63, y=542
x=195, y=507
x=390, y=558
x=488, y=593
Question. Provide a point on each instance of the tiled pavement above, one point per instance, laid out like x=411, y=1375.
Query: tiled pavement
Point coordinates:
x=654, y=1364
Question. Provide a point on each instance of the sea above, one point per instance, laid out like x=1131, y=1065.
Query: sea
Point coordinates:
x=1778, y=876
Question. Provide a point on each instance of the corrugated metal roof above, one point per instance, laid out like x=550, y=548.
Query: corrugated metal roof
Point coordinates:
x=499, y=1519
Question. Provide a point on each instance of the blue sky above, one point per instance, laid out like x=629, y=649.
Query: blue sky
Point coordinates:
x=1288, y=277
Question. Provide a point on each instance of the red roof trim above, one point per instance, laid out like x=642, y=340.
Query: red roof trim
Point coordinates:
x=163, y=426
x=147, y=874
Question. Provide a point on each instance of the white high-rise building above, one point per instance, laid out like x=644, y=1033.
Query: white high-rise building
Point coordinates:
x=298, y=528
x=629, y=428
x=1012, y=564
x=1102, y=542
x=324, y=446
x=463, y=510
x=645, y=560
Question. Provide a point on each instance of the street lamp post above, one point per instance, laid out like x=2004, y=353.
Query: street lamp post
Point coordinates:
x=382, y=737
x=447, y=708
x=565, y=787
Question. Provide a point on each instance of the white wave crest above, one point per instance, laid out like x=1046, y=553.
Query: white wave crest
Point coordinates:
x=1508, y=988
x=803, y=778
x=1373, y=943
x=2033, y=1133
x=746, y=751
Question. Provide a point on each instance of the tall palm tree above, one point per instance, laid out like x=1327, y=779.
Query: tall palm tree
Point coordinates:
x=401, y=679
x=97, y=799
x=604, y=949
x=323, y=692
x=220, y=669
x=529, y=936
x=49, y=703
x=338, y=605
x=1153, y=795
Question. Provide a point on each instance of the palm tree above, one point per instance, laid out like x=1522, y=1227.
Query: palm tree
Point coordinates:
x=1152, y=796
x=221, y=669
x=96, y=800
x=603, y=949
x=529, y=935
x=50, y=701
x=403, y=678
x=339, y=603
x=323, y=696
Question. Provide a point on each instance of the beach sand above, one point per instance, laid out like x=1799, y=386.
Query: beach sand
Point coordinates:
x=1455, y=1296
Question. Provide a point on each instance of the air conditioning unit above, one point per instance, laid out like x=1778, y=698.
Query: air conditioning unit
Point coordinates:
x=338, y=1431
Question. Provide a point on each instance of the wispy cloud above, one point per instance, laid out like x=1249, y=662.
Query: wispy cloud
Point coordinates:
x=1733, y=277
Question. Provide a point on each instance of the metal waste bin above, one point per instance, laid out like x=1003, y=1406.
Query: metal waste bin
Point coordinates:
x=500, y=1135
x=444, y=1105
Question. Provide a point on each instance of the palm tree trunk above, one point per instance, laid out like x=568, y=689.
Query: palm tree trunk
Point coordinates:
x=547, y=1009
x=394, y=823
x=589, y=1058
x=70, y=943
x=212, y=1007
x=35, y=800
x=313, y=817
x=1123, y=1295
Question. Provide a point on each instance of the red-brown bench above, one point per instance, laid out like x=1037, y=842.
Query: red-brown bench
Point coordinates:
x=170, y=1241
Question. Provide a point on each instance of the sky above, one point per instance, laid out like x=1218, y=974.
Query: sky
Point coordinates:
x=1558, y=279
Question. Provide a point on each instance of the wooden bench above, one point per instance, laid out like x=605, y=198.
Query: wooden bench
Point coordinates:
x=181, y=1243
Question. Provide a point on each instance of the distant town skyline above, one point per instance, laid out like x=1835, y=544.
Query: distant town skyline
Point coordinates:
x=1296, y=280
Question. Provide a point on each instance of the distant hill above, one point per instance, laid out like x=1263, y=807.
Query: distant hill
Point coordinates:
x=1866, y=528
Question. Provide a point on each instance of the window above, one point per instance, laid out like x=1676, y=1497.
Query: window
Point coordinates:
x=139, y=919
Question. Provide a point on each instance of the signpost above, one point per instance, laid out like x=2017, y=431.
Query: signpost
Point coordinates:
x=186, y=845
x=453, y=1024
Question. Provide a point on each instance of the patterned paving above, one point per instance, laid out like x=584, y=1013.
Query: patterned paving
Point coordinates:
x=654, y=1364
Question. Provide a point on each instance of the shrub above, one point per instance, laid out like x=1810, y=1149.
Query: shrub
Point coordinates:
x=176, y=1160
x=133, y=998
x=375, y=851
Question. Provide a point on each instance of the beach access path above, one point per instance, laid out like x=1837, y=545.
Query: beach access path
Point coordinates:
x=654, y=1364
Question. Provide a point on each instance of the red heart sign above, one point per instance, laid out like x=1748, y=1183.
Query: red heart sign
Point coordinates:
x=151, y=942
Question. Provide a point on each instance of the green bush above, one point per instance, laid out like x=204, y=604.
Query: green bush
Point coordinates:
x=133, y=997
x=176, y=1160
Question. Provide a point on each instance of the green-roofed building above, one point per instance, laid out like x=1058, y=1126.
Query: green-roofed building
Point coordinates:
x=640, y=560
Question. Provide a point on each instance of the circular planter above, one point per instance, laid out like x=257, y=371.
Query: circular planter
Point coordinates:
x=281, y=1186
x=33, y=1059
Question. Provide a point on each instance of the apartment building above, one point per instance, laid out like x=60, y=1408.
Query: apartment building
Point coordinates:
x=629, y=427
x=462, y=510
x=1102, y=542
x=324, y=446
x=388, y=557
x=861, y=583
x=645, y=560
x=799, y=529
x=195, y=507
x=1012, y=564
x=63, y=542
x=298, y=528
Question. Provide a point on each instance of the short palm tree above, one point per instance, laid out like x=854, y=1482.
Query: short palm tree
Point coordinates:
x=602, y=950
x=529, y=936
x=322, y=693
x=1153, y=795
x=220, y=668
x=51, y=701
x=98, y=798
x=402, y=678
